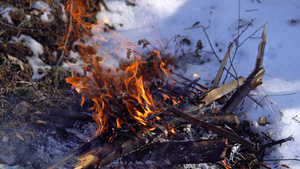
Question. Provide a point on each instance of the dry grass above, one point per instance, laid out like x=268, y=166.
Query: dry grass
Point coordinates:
x=16, y=85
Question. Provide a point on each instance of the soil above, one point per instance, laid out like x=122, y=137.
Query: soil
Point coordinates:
x=35, y=115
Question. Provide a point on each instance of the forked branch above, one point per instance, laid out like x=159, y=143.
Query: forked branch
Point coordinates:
x=252, y=81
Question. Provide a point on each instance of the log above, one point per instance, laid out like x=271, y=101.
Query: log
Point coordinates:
x=71, y=160
x=97, y=152
x=180, y=152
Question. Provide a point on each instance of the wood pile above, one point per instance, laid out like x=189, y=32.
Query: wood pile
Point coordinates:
x=164, y=147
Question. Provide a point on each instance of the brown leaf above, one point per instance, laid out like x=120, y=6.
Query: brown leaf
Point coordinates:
x=16, y=61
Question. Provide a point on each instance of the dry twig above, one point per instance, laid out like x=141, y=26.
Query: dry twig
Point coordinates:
x=230, y=135
x=253, y=80
x=222, y=67
x=67, y=37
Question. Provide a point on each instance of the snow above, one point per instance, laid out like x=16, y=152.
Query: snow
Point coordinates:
x=5, y=14
x=77, y=66
x=160, y=21
x=34, y=60
x=43, y=6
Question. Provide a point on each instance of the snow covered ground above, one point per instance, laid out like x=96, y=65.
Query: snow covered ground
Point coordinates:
x=160, y=21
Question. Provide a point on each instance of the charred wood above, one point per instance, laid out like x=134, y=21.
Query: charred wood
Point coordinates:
x=230, y=120
x=230, y=135
x=180, y=152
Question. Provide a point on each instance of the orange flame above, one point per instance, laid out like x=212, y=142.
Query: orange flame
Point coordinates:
x=114, y=90
x=195, y=75
x=226, y=165
x=104, y=87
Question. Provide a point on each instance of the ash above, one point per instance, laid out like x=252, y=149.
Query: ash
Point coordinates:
x=47, y=148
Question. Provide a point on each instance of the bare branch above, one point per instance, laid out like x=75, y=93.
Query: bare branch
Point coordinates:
x=230, y=135
x=222, y=66
x=253, y=80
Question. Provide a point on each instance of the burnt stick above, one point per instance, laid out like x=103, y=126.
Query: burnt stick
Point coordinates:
x=230, y=135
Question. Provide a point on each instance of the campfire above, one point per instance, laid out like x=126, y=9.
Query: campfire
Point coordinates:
x=123, y=97
x=144, y=110
x=142, y=84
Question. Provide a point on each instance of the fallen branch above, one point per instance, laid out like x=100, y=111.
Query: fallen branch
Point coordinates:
x=221, y=91
x=230, y=135
x=222, y=67
x=273, y=143
x=252, y=81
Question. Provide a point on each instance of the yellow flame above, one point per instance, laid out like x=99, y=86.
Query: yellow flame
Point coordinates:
x=195, y=75
x=126, y=85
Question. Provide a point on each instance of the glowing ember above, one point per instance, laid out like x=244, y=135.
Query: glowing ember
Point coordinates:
x=195, y=75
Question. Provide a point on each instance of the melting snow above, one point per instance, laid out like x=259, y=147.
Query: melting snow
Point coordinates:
x=34, y=60
x=43, y=6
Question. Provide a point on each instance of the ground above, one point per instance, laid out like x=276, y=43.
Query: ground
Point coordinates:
x=25, y=129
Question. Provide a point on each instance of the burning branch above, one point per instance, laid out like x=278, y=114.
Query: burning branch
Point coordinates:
x=128, y=86
x=77, y=26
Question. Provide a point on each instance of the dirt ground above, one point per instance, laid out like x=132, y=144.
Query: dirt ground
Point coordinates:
x=34, y=114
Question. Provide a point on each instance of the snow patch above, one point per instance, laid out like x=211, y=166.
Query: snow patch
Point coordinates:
x=276, y=85
x=5, y=14
x=43, y=6
x=77, y=66
x=34, y=60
